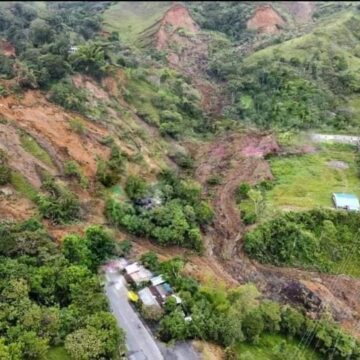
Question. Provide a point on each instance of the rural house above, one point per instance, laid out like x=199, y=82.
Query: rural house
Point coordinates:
x=346, y=201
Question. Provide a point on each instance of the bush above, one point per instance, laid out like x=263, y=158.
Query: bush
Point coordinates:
x=68, y=96
x=61, y=206
x=242, y=191
x=73, y=170
x=105, y=175
x=78, y=126
x=214, y=180
x=5, y=172
x=135, y=187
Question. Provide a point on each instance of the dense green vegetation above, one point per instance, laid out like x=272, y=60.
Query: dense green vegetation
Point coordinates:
x=319, y=239
x=50, y=297
x=59, y=205
x=174, y=220
x=239, y=319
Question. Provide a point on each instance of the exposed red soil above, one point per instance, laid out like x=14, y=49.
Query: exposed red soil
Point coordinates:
x=301, y=11
x=16, y=208
x=176, y=17
x=240, y=157
x=50, y=123
x=20, y=160
x=235, y=158
x=7, y=49
x=187, y=50
x=265, y=20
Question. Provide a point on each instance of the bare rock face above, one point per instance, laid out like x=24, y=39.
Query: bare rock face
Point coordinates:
x=265, y=20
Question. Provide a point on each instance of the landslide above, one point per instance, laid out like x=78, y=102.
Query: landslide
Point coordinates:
x=240, y=158
x=187, y=51
x=50, y=127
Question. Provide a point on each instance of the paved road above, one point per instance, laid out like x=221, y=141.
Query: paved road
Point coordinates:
x=140, y=342
x=345, y=139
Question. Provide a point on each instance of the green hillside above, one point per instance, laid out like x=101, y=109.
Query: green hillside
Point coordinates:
x=131, y=18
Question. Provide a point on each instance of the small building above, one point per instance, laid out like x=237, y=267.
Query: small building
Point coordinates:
x=147, y=298
x=134, y=267
x=157, y=280
x=161, y=292
x=346, y=201
x=140, y=276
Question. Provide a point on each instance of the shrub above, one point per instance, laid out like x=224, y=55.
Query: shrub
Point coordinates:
x=61, y=206
x=242, y=191
x=135, y=187
x=78, y=126
x=68, y=96
x=105, y=175
x=5, y=172
x=73, y=170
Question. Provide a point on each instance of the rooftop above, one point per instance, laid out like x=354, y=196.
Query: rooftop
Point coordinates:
x=147, y=298
x=346, y=201
x=157, y=280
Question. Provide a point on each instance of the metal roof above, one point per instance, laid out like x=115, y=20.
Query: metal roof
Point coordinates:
x=346, y=201
x=157, y=280
x=147, y=298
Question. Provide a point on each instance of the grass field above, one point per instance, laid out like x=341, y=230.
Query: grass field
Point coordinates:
x=307, y=181
x=57, y=353
x=268, y=349
x=131, y=18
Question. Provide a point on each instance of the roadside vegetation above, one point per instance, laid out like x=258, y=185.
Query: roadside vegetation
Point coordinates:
x=242, y=321
x=51, y=296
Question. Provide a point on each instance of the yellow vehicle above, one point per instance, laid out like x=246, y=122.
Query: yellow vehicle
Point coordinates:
x=133, y=296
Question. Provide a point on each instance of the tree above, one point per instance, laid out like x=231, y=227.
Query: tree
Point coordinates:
x=41, y=32
x=135, y=187
x=173, y=326
x=292, y=321
x=84, y=344
x=271, y=314
x=90, y=59
x=33, y=347
x=100, y=243
x=75, y=249
x=253, y=325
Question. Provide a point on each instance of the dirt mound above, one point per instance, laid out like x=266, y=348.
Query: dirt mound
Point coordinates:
x=265, y=20
x=301, y=11
x=7, y=48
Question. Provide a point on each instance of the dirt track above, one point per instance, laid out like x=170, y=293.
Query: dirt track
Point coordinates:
x=240, y=157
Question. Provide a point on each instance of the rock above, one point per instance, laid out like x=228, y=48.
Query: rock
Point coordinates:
x=5, y=190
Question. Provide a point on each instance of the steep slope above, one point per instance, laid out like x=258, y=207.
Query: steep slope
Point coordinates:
x=265, y=20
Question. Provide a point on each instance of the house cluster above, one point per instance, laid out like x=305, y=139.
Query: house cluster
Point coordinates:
x=154, y=289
